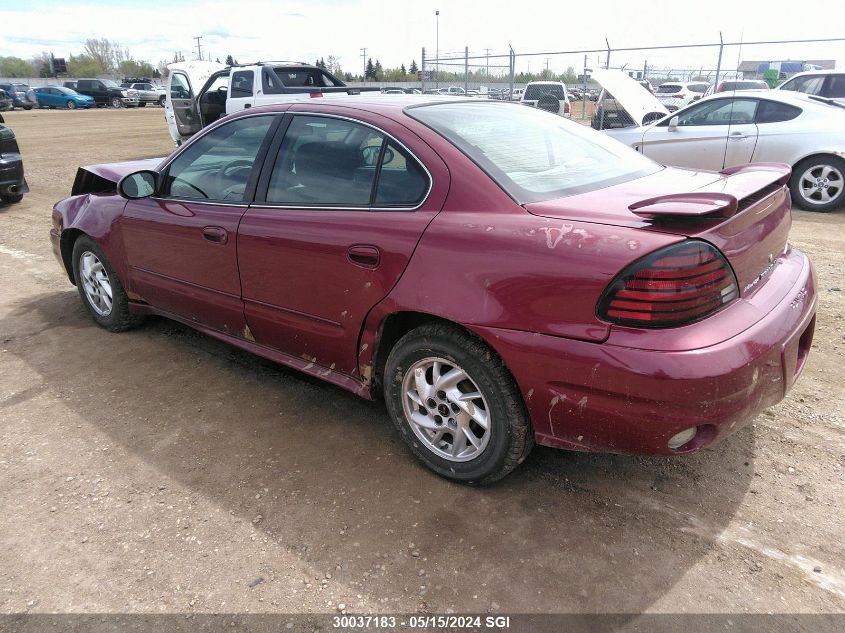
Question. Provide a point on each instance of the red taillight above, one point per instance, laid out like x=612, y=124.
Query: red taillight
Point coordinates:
x=315, y=94
x=566, y=107
x=682, y=95
x=674, y=286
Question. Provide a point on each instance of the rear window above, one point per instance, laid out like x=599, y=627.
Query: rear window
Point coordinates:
x=699, y=87
x=835, y=87
x=667, y=89
x=534, y=92
x=531, y=155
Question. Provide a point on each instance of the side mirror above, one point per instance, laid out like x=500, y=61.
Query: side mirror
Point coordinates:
x=141, y=184
x=673, y=124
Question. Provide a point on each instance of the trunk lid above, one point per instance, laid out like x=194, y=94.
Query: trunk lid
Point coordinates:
x=638, y=102
x=744, y=211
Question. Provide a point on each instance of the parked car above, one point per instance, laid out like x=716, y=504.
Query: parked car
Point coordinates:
x=106, y=92
x=454, y=91
x=201, y=92
x=828, y=84
x=12, y=182
x=737, y=84
x=393, y=91
x=731, y=129
x=638, y=106
x=517, y=93
x=17, y=92
x=412, y=91
x=6, y=102
x=61, y=97
x=547, y=95
x=147, y=93
x=433, y=91
x=675, y=95
x=555, y=331
x=69, y=84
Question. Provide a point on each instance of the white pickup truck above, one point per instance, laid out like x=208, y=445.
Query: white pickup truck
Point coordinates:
x=200, y=92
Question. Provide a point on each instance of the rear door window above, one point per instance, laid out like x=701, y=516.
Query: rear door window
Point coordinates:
x=720, y=112
x=811, y=84
x=775, y=112
x=241, y=85
x=835, y=88
x=180, y=87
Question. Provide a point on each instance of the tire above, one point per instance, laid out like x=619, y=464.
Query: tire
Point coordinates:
x=71, y=104
x=549, y=103
x=116, y=317
x=818, y=183
x=410, y=369
x=116, y=102
x=12, y=198
x=161, y=100
x=142, y=104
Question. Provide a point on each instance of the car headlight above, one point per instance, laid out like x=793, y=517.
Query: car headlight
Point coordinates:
x=124, y=93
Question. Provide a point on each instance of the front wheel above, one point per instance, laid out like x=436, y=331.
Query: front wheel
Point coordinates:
x=71, y=104
x=100, y=289
x=456, y=405
x=161, y=100
x=11, y=198
x=818, y=183
x=116, y=102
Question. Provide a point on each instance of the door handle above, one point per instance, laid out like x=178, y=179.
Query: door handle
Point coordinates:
x=738, y=136
x=215, y=234
x=364, y=255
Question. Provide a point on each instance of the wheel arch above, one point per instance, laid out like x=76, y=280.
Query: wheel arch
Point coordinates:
x=819, y=154
x=66, y=242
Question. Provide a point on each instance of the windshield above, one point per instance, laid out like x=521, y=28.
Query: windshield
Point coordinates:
x=532, y=154
x=108, y=83
x=66, y=91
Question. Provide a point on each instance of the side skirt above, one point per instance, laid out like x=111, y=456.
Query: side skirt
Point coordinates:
x=305, y=366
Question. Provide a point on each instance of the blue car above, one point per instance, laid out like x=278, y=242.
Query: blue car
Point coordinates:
x=59, y=97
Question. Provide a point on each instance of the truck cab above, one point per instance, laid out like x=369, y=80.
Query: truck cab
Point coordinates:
x=200, y=92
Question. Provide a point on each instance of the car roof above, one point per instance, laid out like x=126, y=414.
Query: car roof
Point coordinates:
x=790, y=97
x=374, y=102
x=825, y=71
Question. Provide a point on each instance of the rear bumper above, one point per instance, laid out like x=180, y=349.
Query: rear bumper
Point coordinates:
x=12, y=180
x=613, y=398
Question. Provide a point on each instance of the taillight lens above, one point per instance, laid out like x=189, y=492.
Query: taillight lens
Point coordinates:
x=566, y=108
x=676, y=285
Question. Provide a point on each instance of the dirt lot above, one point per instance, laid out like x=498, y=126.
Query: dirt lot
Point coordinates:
x=161, y=471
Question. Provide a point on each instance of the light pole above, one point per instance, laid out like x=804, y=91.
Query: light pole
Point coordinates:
x=437, y=45
x=364, y=55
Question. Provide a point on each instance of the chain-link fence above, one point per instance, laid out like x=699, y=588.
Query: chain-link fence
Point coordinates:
x=702, y=66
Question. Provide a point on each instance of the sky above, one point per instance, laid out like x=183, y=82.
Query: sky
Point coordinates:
x=394, y=31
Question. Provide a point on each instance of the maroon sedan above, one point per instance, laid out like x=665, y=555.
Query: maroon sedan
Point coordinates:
x=500, y=276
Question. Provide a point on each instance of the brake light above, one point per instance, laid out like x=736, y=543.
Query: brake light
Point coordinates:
x=315, y=94
x=682, y=95
x=676, y=285
x=566, y=107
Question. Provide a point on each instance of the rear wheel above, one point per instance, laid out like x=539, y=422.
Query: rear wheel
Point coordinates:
x=161, y=100
x=71, y=104
x=818, y=183
x=11, y=198
x=100, y=289
x=116, y=102
x=456, y=405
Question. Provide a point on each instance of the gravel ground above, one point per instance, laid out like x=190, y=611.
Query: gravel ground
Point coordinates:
x=162, y=471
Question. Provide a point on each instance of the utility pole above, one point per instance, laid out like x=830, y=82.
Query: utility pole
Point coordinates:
x=199, y=46
x=547, y=65
x=437, y=52
x=364, y=56
x=487, y=71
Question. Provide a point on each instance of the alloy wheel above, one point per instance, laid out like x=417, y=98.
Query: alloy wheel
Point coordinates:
x=95, y=282
x=445, y=409
x=820, y=184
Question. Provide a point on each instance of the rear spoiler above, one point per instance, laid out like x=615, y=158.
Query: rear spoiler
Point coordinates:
x=722, y=199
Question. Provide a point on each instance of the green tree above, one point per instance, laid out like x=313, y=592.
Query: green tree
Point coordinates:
x=14, y=67
x=413, y=69
x=83, y=66
x=370, y=72
x=402, y=70
x=378, y=71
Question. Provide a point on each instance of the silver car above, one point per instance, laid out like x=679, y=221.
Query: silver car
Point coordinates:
x=147, y=93
x=773, y=126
